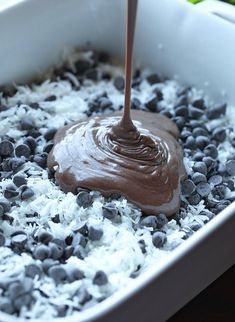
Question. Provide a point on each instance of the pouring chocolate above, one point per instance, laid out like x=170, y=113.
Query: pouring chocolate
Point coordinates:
x=135, y=155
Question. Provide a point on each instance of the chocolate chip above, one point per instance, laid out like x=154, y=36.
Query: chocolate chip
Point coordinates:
x=159, y=239
x=1, y=211
x=187, y=187
x=31, y=143
x=194, y=199
x=161, y=220
x=221, y=206
x=210, y=163
x=166, y=113
x=233, y=142
x=27, y=284
x=215, y=180
x=56, y=219
x=57, y=273
x=200, y=167
x=95, y=233
x=198, y=177
x=105, y=103
x=50, y=98
x=219, y=192
x=209, y=215
x=84, y=199
x=195, y=113
x=106, y=76
x=231, y=157
x=153, y=79
x=16, y=163
x=6, y=306
x=69, y=239
x=179, y=121
x=81, y=228
x=79, y=239
x=219, y=135
x=211, y=151
x=41, y=159
x=41, y=252
x=26, y=193
x=26, y=124
x=10, y=192
x=199, y=103
x=199, y=131
x=83, y=295
x=187, y=231
x=23, y=300
x=103, y=57
x=6, y=148
x=82, y=66
x=190, y=143
x=68, y=251
x=34, y=133
x=79, y=252
x=182, y=99
x=230, y=167
x=15, y=289
x=2, y=240
x=33, y=270
x=48, y=263
x=136, y=104
x=182, y=111
x=196, y=123
x=22, y=150
x=195, y=226
x=61, y=310
x=92, y=74
x=34, y=106
x=150, y=221
x=19, y=240
x=19, y=180
x=216, y=111
x=100, y=278
x=203, y=188
x=19, y=288
x=158, y=93
x=202, y=142
x=56, y=250
x=110, y=211
x=60, y=242
x=74, y=274
x=142, y=245
x=5, y=204
x=198, y=156
x=50, y=133
x=47, y=148
x=152, y=104
x=44, y=236
x=230, y=184
x=119, y=83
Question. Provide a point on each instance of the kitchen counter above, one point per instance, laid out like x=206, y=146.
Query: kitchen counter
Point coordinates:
x=215, y=304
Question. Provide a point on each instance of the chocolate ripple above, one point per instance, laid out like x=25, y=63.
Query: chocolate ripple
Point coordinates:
x=144, y=164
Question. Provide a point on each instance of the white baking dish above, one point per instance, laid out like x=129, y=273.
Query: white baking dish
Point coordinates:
x=177, y=40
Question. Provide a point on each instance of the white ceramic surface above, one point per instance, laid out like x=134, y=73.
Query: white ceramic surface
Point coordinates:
x=176, y=39
x=220, y=9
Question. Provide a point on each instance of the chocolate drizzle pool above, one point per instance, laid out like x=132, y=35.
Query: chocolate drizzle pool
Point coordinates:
x=138, y=157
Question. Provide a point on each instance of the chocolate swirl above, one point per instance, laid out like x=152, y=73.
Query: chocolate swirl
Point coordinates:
x=144, y=164
x=138, y=157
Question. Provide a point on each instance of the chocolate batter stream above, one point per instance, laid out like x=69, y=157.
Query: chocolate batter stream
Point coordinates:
x=138, y=157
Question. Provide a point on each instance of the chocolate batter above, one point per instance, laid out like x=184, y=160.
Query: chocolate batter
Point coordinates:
x=138, y=158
